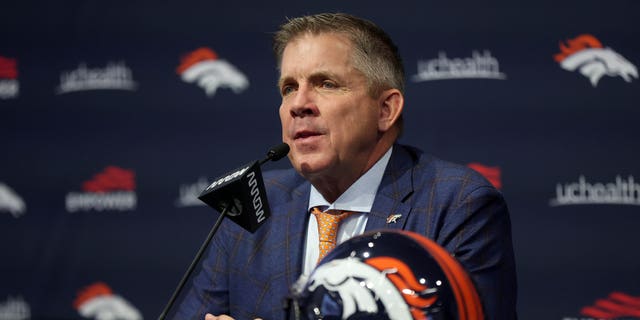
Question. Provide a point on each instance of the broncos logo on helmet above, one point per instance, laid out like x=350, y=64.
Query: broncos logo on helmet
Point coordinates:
x=387, y=279
x=395, y=275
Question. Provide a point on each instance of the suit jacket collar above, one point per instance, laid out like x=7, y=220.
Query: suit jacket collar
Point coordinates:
x=396, y=185
x=389, y=209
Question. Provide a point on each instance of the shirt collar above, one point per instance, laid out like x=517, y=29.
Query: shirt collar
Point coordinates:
x=360, y=195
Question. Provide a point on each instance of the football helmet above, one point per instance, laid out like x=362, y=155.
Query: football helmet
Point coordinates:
x=396, y=275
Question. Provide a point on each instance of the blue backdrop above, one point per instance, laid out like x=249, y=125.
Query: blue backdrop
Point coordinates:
x=114, y=114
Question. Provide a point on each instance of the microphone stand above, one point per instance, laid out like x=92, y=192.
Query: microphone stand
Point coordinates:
x=274, y=154
x=194, y=262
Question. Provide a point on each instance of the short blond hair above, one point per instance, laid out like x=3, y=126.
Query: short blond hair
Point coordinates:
x=374, y=54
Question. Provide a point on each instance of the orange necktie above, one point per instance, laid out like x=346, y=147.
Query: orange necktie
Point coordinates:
x=328, y=223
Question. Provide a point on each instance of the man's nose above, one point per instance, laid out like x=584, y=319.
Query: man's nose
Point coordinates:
x=303, y=104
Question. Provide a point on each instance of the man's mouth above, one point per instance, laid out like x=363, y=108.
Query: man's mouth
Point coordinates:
x=305, y=134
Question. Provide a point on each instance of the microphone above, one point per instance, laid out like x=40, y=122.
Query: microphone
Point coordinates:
x=276, y=153
x=240, y=195
x=241, y=192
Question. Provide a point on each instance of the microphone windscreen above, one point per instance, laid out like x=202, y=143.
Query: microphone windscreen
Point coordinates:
x=278, y=152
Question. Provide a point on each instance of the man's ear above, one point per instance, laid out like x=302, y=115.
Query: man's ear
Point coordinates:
x=391, y=104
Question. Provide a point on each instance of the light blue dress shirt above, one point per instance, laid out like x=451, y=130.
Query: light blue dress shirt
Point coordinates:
x=358, y=197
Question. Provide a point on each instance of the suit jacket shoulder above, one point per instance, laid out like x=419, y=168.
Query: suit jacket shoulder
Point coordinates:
x=458, y=209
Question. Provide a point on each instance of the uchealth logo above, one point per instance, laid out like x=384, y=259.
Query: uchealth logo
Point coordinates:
x=11, y=202
x=477, y=66
x=14, y=308
x=9, y=86
x=617, y=305
x=189, y=192
x=493, y=174
x=113, y=76
x=586, y=54
x=622, y=191
x=203, y=67
x=112, y=189
x=97, y=301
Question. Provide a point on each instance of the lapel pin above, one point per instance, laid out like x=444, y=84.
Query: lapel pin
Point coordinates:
x=393, y=218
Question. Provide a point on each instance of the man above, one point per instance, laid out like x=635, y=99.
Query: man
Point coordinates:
x=342, y=82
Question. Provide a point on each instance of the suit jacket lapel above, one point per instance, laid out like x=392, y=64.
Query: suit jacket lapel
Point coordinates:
x=389, y=210
x=395, y=186
x=296, y=227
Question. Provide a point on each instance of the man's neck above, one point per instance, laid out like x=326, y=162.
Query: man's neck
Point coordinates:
x=360, y=195
x=332, y=186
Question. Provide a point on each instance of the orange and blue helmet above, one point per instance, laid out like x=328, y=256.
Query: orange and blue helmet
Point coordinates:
x=397, y=275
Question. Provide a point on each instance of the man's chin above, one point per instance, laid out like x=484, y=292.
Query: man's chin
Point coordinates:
x=307, y=169
x=310, y=169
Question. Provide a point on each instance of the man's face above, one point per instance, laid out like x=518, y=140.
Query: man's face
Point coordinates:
x=327, y=115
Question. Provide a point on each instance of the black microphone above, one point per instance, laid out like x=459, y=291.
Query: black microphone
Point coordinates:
x=276, y=153
x=240, y=195
x=241, y=192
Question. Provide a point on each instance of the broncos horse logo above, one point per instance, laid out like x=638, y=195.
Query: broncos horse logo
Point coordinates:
x=10, y=201
x=98, y=302
x=362, y=284
x=586, y=54
x=203, y=67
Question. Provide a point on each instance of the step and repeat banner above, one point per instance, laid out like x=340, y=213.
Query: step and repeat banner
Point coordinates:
x=115, y=115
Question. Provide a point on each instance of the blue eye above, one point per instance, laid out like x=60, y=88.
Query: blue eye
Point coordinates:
x=287, y=90
x=329, y=85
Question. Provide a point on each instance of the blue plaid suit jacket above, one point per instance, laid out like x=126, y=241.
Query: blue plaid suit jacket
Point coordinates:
x=248, y=275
